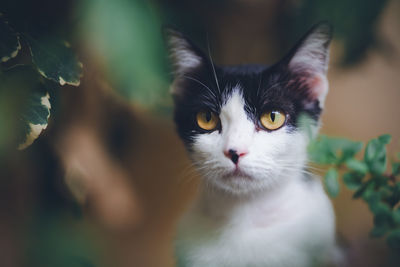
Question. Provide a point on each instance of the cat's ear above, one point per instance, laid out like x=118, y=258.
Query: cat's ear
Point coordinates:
x=184, y=55
x=309, y=60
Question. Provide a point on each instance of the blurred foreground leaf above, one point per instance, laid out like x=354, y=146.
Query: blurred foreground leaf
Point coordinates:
x=369, y=177
x=352, y=180
x=357, y=166
x=331, y=182
x=9, y=41
x=330, y=150
x=24, y=106
x=126, y=33
x=55, y=60
x=59, y=241
x=394, y=240
x=375, y=156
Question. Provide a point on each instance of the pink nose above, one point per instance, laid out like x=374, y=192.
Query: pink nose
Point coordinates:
x=234, y=155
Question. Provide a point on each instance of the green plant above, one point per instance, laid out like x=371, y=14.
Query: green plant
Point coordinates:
x=26, y=85
x=368, y=177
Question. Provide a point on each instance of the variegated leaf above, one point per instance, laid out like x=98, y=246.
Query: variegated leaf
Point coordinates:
x=24, y=106
x=9, y=41
x=55, y=60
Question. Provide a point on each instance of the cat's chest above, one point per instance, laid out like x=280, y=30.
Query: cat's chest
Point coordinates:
x=262, y=234
x=258, y=241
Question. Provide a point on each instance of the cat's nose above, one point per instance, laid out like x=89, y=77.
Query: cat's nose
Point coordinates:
x=234, y=155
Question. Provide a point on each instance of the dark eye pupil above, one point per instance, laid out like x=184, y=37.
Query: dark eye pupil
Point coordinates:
x=272, y=116
x=208, y=116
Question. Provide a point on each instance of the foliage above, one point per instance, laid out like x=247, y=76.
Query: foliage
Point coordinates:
x=354, y=22
x=126, y=33
x=369, y=177
x=25, y=89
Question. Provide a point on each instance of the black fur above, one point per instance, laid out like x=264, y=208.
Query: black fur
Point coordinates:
x=264, y=88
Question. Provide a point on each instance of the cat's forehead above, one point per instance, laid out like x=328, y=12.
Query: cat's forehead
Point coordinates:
x=242, y=77
x=247, y=78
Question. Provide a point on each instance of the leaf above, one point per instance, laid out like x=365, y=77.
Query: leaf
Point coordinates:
x=9, y=41
x=396, y=168
x=127, y=36
x=307, y=125
x=393, y=240
x=396, y=216
x=385, y=139
x=379, y=231
x=329, y=150
x=365, y=189
x=379, y=208
x=55, y=60
x=321, y=150
x=353, y=181
x=350, y=148
x=35, y=116
x=357, y=166
x=331, y=182
x=24, y=106
x=382, y=218
x=375, y=156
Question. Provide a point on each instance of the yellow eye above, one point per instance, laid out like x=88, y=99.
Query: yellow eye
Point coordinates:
x=207, y=120
x=273, y=120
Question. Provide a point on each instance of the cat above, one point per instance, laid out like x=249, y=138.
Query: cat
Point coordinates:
x=258, y=205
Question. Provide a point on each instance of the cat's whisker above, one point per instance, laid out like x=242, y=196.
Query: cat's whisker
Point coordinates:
x=199, y=82
x=212, y=64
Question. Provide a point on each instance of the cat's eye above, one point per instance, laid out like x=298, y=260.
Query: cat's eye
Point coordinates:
x=273, y=120
x=207, y=120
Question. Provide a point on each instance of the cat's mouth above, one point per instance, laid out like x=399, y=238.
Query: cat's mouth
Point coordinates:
x=237, y=174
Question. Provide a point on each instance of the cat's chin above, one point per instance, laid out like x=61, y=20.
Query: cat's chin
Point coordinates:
x=238, y=183
x=237, y=175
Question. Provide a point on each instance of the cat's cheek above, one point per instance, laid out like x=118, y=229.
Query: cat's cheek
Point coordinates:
x=208, y=145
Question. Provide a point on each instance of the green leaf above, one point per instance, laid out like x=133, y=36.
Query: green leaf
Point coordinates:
x=55, y=60
x=396, y=216
x=382, y=218
x=9, y=41
x=331, y=182
x=375, y=156
x=35, y=117
x=379, y=231
x=365, y=189
x=307, y=125
x=329, y=150
x=393, y=240
x=385, y=139
x=357, y=166
x=350, y=148
x=352, y=180
x=396, y=168
x=378, y=207
x=127, y=36
x=24, y=106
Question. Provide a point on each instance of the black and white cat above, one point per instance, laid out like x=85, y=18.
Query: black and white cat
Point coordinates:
x=258, y=206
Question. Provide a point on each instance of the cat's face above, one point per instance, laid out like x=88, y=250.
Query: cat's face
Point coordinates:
x=241, y=124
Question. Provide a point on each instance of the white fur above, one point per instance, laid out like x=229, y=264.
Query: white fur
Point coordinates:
x=271, y=217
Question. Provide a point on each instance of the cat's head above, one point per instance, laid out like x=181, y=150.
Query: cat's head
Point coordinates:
x=241, y=124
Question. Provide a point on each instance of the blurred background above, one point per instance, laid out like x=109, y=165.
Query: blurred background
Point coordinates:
x=106, y=181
